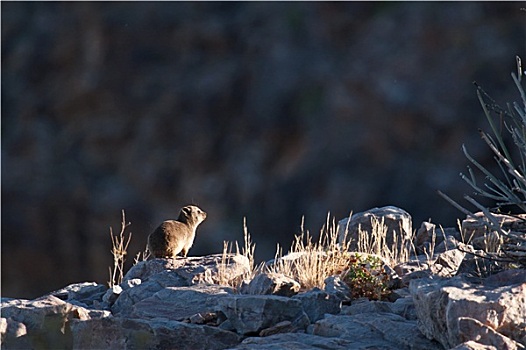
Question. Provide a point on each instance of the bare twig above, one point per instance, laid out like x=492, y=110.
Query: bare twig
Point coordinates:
x=119, y=251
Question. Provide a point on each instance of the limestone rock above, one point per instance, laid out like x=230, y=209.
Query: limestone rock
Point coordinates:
x=122, y=333
x=87, y=294
x=470, y=328
x=448, y=263
x=111, y=295
x=249, y=314
x=403, y=307
x=415, y=268
x=150, y=280
x=335, y=286
x=281, y=327
x=14, y=334
x=430, y=238
x=474, y=264
x=171, y=303
x=271, y=283
x=398, y=222
x=475, y=228
x=296, y=341
x=498, y=303
x=472, y=345
x=193, y=270
x=375, y=330
x=39, y=323
x=364, y=305
x=425, y=236
x=316, y=303
x=448, y=243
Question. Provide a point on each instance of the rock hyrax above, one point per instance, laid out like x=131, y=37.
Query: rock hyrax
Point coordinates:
x=176, y=236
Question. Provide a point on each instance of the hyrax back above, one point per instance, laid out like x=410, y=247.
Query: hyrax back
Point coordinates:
x=176, y=236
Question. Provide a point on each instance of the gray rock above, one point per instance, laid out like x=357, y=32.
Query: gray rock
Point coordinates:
x=193, y=270
x=417, y=267
x=210, y=318
x=450, y=242
x=474, y=264
x=130, y=283
x=469, y=329
x=271, y=283
x=111, y=295
x=128, y=297
x=41, y=323
x=429, y=238
x=475, y=228
x=14, y=334
x=155, y=312
x=425, y=236
x=448, y=263
x=121, y=333
x=375, y=330
x=497, y=303
x=403, y=307
x=316, y=303
x=335, y=286
x=472, y=345
x=364, y=305
x=281, y=327
x=173, y=303
x=398, y=222
x=249, y=314
x=87, y=294
x=295, y=341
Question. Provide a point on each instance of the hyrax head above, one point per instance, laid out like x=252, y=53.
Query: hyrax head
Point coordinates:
x=191, y=215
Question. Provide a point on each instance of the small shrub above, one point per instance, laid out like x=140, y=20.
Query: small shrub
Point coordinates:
x=366, y=277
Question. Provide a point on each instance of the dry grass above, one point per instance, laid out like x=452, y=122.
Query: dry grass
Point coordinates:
x=119, y=251
x=247, y=251
x=311, y=262
x=142, y=256
x=376, y=243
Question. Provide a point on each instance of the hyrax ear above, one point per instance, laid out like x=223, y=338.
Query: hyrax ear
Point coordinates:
x=187, y=211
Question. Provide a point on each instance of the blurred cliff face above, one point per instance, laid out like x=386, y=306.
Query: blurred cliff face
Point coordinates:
x=265, y=110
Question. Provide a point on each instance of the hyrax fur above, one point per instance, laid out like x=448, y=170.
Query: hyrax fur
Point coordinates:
x=176, y=236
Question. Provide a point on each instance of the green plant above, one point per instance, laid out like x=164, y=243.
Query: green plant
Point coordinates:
x=507, y=191
x=366, y=277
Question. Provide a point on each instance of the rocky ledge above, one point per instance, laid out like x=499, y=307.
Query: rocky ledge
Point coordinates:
x=435, y=303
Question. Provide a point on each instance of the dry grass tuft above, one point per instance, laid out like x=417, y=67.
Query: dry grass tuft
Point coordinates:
x=311, y=262
x=142, y=256
x=376, y=243
x=119, y=251
x=247, y=251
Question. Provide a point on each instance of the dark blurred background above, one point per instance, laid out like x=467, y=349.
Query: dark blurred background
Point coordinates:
x=263, y=110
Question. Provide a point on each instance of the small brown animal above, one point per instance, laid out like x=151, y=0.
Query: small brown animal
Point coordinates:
x=176, y=236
